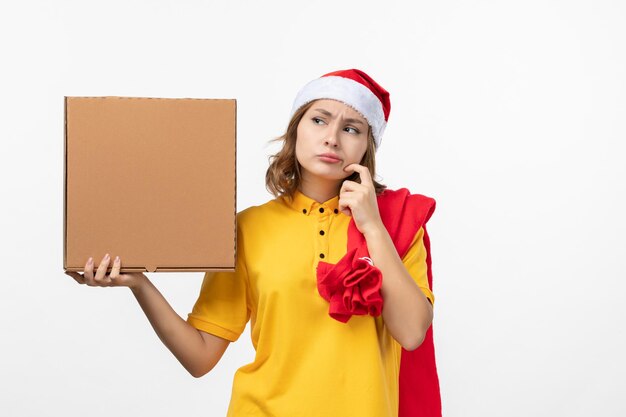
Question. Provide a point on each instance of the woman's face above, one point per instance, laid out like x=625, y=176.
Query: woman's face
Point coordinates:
x=330, y=127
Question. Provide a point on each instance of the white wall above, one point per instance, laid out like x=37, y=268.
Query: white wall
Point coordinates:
x=509, y=114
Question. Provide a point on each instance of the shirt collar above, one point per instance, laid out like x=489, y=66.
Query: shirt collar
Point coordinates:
x=306, y=205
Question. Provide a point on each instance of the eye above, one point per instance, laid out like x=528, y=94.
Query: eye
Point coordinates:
x=316, y=120
x=356, y=132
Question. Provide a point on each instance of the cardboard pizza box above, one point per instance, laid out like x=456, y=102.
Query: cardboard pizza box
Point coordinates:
x=152, y=180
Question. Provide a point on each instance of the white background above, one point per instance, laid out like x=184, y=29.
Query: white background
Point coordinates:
x=510, y=114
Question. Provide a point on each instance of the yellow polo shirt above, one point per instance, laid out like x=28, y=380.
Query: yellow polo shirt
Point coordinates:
x=306, y=363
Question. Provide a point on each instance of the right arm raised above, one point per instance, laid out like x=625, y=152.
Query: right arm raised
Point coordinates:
x=196, y=350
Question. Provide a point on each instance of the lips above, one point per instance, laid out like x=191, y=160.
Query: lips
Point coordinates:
x=330, y=155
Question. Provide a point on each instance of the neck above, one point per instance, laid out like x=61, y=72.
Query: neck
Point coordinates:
x=320, y=190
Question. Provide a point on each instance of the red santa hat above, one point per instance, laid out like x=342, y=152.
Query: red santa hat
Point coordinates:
x=354, y=88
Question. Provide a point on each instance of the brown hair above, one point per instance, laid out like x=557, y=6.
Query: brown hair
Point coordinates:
x=283, y=175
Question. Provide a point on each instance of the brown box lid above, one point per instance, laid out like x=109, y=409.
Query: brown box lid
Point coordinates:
x=152, y=180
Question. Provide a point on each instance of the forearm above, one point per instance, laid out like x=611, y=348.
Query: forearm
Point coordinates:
x=182, y=339
x=406, y=310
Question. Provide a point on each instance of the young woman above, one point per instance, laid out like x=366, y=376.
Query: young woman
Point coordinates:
x=325, y=346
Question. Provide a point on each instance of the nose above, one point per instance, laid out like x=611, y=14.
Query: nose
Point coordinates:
x=332, y=135
x=331, y=141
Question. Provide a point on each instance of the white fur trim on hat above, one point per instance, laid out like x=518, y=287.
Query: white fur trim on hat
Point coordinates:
x=350, y=92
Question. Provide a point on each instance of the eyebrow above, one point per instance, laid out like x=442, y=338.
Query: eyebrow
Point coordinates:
x=329, y=114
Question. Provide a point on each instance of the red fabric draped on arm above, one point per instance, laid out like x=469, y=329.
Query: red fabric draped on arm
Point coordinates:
x=352, y=286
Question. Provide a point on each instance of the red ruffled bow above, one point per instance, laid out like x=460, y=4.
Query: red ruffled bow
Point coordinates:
x=351, y=286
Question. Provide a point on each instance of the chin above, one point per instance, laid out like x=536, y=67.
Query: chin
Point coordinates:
x=330, y=173
x=327, y=176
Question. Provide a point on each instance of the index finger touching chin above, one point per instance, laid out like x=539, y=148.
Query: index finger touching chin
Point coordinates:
x=364, y=174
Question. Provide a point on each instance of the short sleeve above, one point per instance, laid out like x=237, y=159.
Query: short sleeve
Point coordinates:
x=415, y=262
x=222, y=307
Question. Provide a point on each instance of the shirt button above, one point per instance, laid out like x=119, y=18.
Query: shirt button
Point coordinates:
x=336, y=211
x=304, y=211
x=322, y=255
x=322, y=232
x=321, y=209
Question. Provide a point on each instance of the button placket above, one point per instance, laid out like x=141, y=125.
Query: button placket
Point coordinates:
x=323, y=224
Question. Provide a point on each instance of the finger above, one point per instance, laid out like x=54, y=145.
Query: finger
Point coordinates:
x=88, y=275
x=115, y=270
x=350, y=186
x=344, y=206
x=100, y=277
x=364, y=174
x=77, y=277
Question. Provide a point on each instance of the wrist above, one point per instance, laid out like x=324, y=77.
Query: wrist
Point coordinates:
x=376, y=231
x=139, y=283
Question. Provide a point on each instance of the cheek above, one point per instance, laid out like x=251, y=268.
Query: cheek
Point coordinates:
x=298, y=151
x=358, y=152
x=363, y=150
x=303, y=139
x=298, y=142
x=301, y=148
